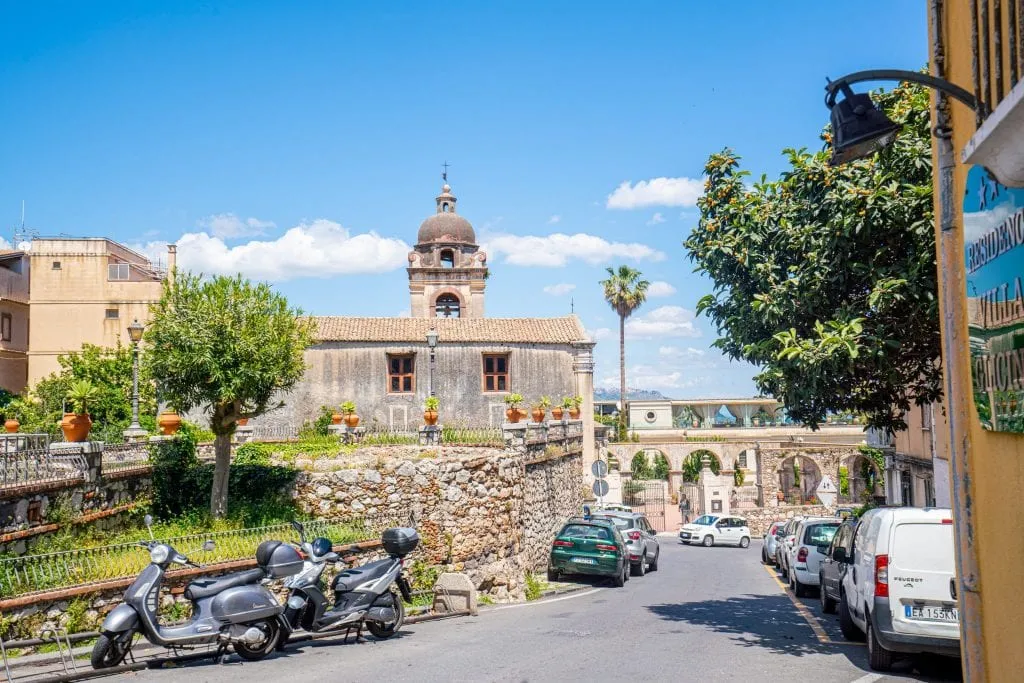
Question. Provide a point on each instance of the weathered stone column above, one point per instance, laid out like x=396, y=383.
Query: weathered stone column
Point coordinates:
x=583, y=369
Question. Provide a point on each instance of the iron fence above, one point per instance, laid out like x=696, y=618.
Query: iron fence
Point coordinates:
x=274, y=433
x=473, y=436
x=125, y=457
x=39, y=466
x=20, y=441
x=36, y=573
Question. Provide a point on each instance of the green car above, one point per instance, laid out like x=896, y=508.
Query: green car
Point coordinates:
x=589, y=546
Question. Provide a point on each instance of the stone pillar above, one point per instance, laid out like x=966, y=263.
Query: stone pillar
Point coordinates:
x=243, y=433
x=430, y=435
x=583, y=370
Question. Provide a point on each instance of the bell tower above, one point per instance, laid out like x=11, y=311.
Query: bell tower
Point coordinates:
x=447, y=270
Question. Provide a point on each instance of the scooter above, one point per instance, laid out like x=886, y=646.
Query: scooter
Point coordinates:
x=230, y=610
x=362, y=595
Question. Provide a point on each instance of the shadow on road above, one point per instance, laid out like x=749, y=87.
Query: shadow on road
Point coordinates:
x=765, y=621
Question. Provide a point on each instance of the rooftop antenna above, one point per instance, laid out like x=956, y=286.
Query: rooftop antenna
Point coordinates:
x=21, y=233
x=572, y=304
x=444, y=173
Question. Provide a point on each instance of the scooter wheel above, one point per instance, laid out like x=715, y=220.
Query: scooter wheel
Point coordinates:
x=384, y=632
x=255, y=653
x=110, y=649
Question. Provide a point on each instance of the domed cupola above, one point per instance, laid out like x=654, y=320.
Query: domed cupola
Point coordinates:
x=446, y=225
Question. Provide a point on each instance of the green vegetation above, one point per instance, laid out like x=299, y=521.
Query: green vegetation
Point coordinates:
x=844, y=481
x=319, y=425
x=694, y=464
x=625, y=292
x=228, y=346
x=432, y=403
x=796, y=472
x=514, y=401
x=739, y=476
x=534, y=587
x=825, y=278
x=81, y=394
x=348, y=408
x=640, y=466
x=660, y=468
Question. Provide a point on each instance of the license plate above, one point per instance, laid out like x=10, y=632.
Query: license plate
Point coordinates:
x=950, y=614
x=584, y=560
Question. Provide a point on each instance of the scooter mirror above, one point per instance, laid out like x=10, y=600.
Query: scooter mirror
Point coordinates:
x=299, y=528
x=208, y=546
x=148, y=520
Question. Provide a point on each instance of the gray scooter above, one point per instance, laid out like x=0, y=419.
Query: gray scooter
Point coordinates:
x=229, y=610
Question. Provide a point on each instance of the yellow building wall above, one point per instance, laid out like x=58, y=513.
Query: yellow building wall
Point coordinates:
x=996, y=460
x=69, y=304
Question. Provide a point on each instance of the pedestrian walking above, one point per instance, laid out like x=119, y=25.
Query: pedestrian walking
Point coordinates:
x=684, y=508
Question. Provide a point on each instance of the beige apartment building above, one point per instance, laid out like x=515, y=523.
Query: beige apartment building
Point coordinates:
x=14, y=307
x=79, y=290
x=917, y=469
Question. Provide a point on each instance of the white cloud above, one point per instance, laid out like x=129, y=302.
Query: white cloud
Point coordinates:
x=599, y=333
x=676, y=352
x=666, y=321
x=558, y=249
x=229, y=226
x=660, y=288
x=978, y=223
x=657, y=378
x=561, y=289
x=656, y=218
x=554, y=219
x=656, y=192
x=321, y=248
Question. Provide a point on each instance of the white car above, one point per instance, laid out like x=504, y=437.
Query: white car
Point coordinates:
x=709, y=530
x=899, y=588
x=813, y=537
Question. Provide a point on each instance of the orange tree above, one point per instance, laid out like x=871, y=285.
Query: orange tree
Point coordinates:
x=825, y=278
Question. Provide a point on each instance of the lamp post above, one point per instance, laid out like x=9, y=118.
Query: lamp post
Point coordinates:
x=432, y=345
x=135, y=334
x=860, y=129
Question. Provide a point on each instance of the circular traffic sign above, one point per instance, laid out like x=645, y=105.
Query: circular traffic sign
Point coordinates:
x=599, y=468
x=600, y=487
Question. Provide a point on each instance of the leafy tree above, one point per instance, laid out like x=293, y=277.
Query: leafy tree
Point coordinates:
x=640, y=466
x=229, y=347
x=825, y=278
x=625, y=292
x=694, y=464
x=660, y=468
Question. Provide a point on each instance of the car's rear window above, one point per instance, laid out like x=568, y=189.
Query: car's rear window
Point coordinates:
x=621, y=522
x=587, y=531
x=820, y=534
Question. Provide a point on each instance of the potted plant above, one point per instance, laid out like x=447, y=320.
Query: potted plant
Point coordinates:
x=574, y=408
x=77, y=423
x=169, y=421
x=559, y=411
x=513, y=414
x=430, y=410
x=336, y=417
x=541, y=409
x=348, y=409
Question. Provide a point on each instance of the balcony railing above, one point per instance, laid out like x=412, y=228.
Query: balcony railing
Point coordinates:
x=997, y=50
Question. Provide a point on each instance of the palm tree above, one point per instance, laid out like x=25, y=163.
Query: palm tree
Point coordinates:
x=625, y=292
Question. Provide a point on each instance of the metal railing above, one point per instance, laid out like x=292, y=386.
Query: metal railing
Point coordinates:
x=125, y=457
x=36, y=573
x=21, y=441
x=274, y=433
x=997, y=41
x=40, y=466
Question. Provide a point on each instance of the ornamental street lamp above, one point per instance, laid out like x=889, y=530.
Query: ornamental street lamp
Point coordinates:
x=432, y=345
x=135, y=334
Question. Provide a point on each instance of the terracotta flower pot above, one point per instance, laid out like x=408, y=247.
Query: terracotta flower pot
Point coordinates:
x=430, y=417
x=11, y=425
x=556, y=413
x=513, y=415
x=169, y=422
x=352, y=420
x=242, y=421
x=76, y=427
x=336, y=418
x=574, y=413
x=538, y=414
x=781, y=496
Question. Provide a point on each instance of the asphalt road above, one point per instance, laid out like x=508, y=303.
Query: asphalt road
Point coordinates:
x=708, y=614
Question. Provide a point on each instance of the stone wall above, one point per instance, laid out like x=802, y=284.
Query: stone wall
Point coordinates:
x=488, y=512
x=759, y=519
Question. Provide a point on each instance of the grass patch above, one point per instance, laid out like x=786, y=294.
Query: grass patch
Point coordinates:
x=534, y=587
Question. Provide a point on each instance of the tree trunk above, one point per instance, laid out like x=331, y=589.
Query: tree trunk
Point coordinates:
x=624, y=413
x=219, y=494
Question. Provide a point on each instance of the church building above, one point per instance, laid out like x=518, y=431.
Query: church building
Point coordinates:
x=388, y=367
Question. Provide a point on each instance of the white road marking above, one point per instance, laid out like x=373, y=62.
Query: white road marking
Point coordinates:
x=868, y=678
x=545, y=602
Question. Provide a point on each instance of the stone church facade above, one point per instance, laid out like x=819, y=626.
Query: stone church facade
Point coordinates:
x=387, y=368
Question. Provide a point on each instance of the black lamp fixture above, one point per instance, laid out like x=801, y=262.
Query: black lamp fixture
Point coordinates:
x=135, y=331
x=859, y=128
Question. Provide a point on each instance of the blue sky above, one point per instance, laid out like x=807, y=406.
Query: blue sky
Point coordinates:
x=302, y=142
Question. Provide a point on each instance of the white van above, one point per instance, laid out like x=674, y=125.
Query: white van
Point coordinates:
x=899, y=587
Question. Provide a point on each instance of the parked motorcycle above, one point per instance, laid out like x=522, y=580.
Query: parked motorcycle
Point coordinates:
x=363, y=595
x=233, y=609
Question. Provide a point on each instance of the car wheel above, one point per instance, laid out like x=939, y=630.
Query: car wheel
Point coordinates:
x=654, y=565
x=879, y=658
x=764, y=557
x=620, y=579
x=709, y=541
x=799, y=589
x=640, y=568
x=552, y=574
x=744, y=542
x=828, y=605
x=846, y=625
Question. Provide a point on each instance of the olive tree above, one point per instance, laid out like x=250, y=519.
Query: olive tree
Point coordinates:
x=226, y=346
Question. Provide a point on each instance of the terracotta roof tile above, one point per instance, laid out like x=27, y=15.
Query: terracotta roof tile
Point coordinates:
x=494, y=330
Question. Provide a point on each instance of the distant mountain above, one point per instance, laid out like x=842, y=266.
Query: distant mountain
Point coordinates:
x=602, y=394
